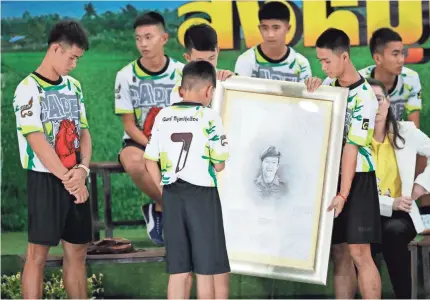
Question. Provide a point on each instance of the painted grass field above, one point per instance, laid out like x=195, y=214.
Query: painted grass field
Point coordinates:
x=96, y=71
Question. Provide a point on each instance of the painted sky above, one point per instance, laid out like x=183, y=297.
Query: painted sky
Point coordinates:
x=75, y=9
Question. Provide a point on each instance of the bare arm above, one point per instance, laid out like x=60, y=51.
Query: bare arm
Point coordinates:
x=132, y=130
x=219, y=167
x=154, y=172
x=415, y=117
x=47, y=155
x=349, y=162
x=86, y=147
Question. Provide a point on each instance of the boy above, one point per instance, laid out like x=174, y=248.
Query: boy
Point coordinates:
x=189, y=141
x=201, y=43
x=357, y=223
x=142, y=88
x=273, y=59
x=55, y=149
x=403, y=84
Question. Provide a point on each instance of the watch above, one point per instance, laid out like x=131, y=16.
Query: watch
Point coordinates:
x=83, y=167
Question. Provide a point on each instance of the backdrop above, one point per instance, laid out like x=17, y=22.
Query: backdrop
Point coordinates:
x=25, y=26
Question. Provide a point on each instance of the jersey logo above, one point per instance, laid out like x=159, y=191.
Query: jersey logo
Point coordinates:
x=117, y=90
x=223, y=140
x=365, y=124
x=150, y=119
x=64, y=143
x=25, y=109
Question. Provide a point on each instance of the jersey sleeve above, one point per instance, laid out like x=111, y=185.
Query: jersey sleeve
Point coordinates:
x=152, y=151
x=83, y=114
x=218, y=144
x=174, y=94
x=123, y=103
x=414, y=102
x=363, y=118
x=27, y=107
x=305, y=70
x=244, y=65
x=328, y=81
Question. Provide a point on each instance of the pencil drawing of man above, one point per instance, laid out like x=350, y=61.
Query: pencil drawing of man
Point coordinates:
x=268, y=182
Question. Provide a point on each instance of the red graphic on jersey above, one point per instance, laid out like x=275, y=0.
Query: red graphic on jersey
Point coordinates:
x=150, y=119
x=64, y=143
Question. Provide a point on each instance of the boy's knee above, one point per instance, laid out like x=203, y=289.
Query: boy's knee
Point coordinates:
x=361, y=254
x=133, y=162
x=37, y=254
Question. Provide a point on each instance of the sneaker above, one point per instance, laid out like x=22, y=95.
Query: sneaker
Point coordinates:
x=154, y=223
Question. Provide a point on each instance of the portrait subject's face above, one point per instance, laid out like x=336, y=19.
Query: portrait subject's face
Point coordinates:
x=269, y=167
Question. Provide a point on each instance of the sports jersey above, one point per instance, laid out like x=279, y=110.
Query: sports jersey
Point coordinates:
x=405, y=96
x=292, y=67
x=174, y=95
x=188, y=139
x=143, y=93
x=362, y=106
x=55, y=108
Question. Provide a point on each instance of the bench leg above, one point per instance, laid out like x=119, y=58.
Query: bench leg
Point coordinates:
x=108, y=207
x=414, y=271
x=94, y=201
x=425, y=250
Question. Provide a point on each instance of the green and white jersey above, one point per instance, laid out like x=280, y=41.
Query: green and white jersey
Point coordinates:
x=55, y=108
x=187, y=139
x=405, y=96
x=292, y=67
x=143, y=93
x=359, y=121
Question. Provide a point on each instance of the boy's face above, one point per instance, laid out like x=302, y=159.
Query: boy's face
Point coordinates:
x=332, y=62
x=274, y=32
x=65, y=57
x=209, y=56
x=269, y=166
x=392, y=58
x=150, y=40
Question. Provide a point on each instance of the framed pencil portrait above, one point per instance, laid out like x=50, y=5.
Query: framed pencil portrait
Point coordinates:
x=285, y=148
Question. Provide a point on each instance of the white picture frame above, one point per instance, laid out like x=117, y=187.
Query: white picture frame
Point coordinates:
x=244, y=98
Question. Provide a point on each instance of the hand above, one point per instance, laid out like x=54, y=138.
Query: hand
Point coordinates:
x=403, y=203
x=312, y=83
x=418, y=191
x=81, y=194
x=337, y=203
x=223, y=74
x=76, y=177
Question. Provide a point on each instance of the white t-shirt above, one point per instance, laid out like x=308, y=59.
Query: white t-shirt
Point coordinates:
x=359, y=121
x=405, y=96
x=292, y=67
x=143, y=93
x=187, y=139
x=54, y=108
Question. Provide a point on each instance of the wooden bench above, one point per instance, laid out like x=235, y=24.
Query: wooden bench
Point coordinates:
x=420, y=243
x=105, y=169
x=143, y=255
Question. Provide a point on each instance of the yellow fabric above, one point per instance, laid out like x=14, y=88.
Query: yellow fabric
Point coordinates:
x=387, y=171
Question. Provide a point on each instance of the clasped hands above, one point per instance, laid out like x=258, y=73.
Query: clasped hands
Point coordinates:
x=74, y=182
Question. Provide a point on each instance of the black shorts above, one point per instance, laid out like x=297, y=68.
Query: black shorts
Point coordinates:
x=52, y=213
x=129, y=142
x=360, y=220
x=193, y=230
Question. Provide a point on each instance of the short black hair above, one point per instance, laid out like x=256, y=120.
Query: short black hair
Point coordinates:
x=201, y=37
x=334, y=39
x=149, y=18
x=274, y=10
x=197, y=72
x=69, y=32
x=381, y=37
x=374, y=82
